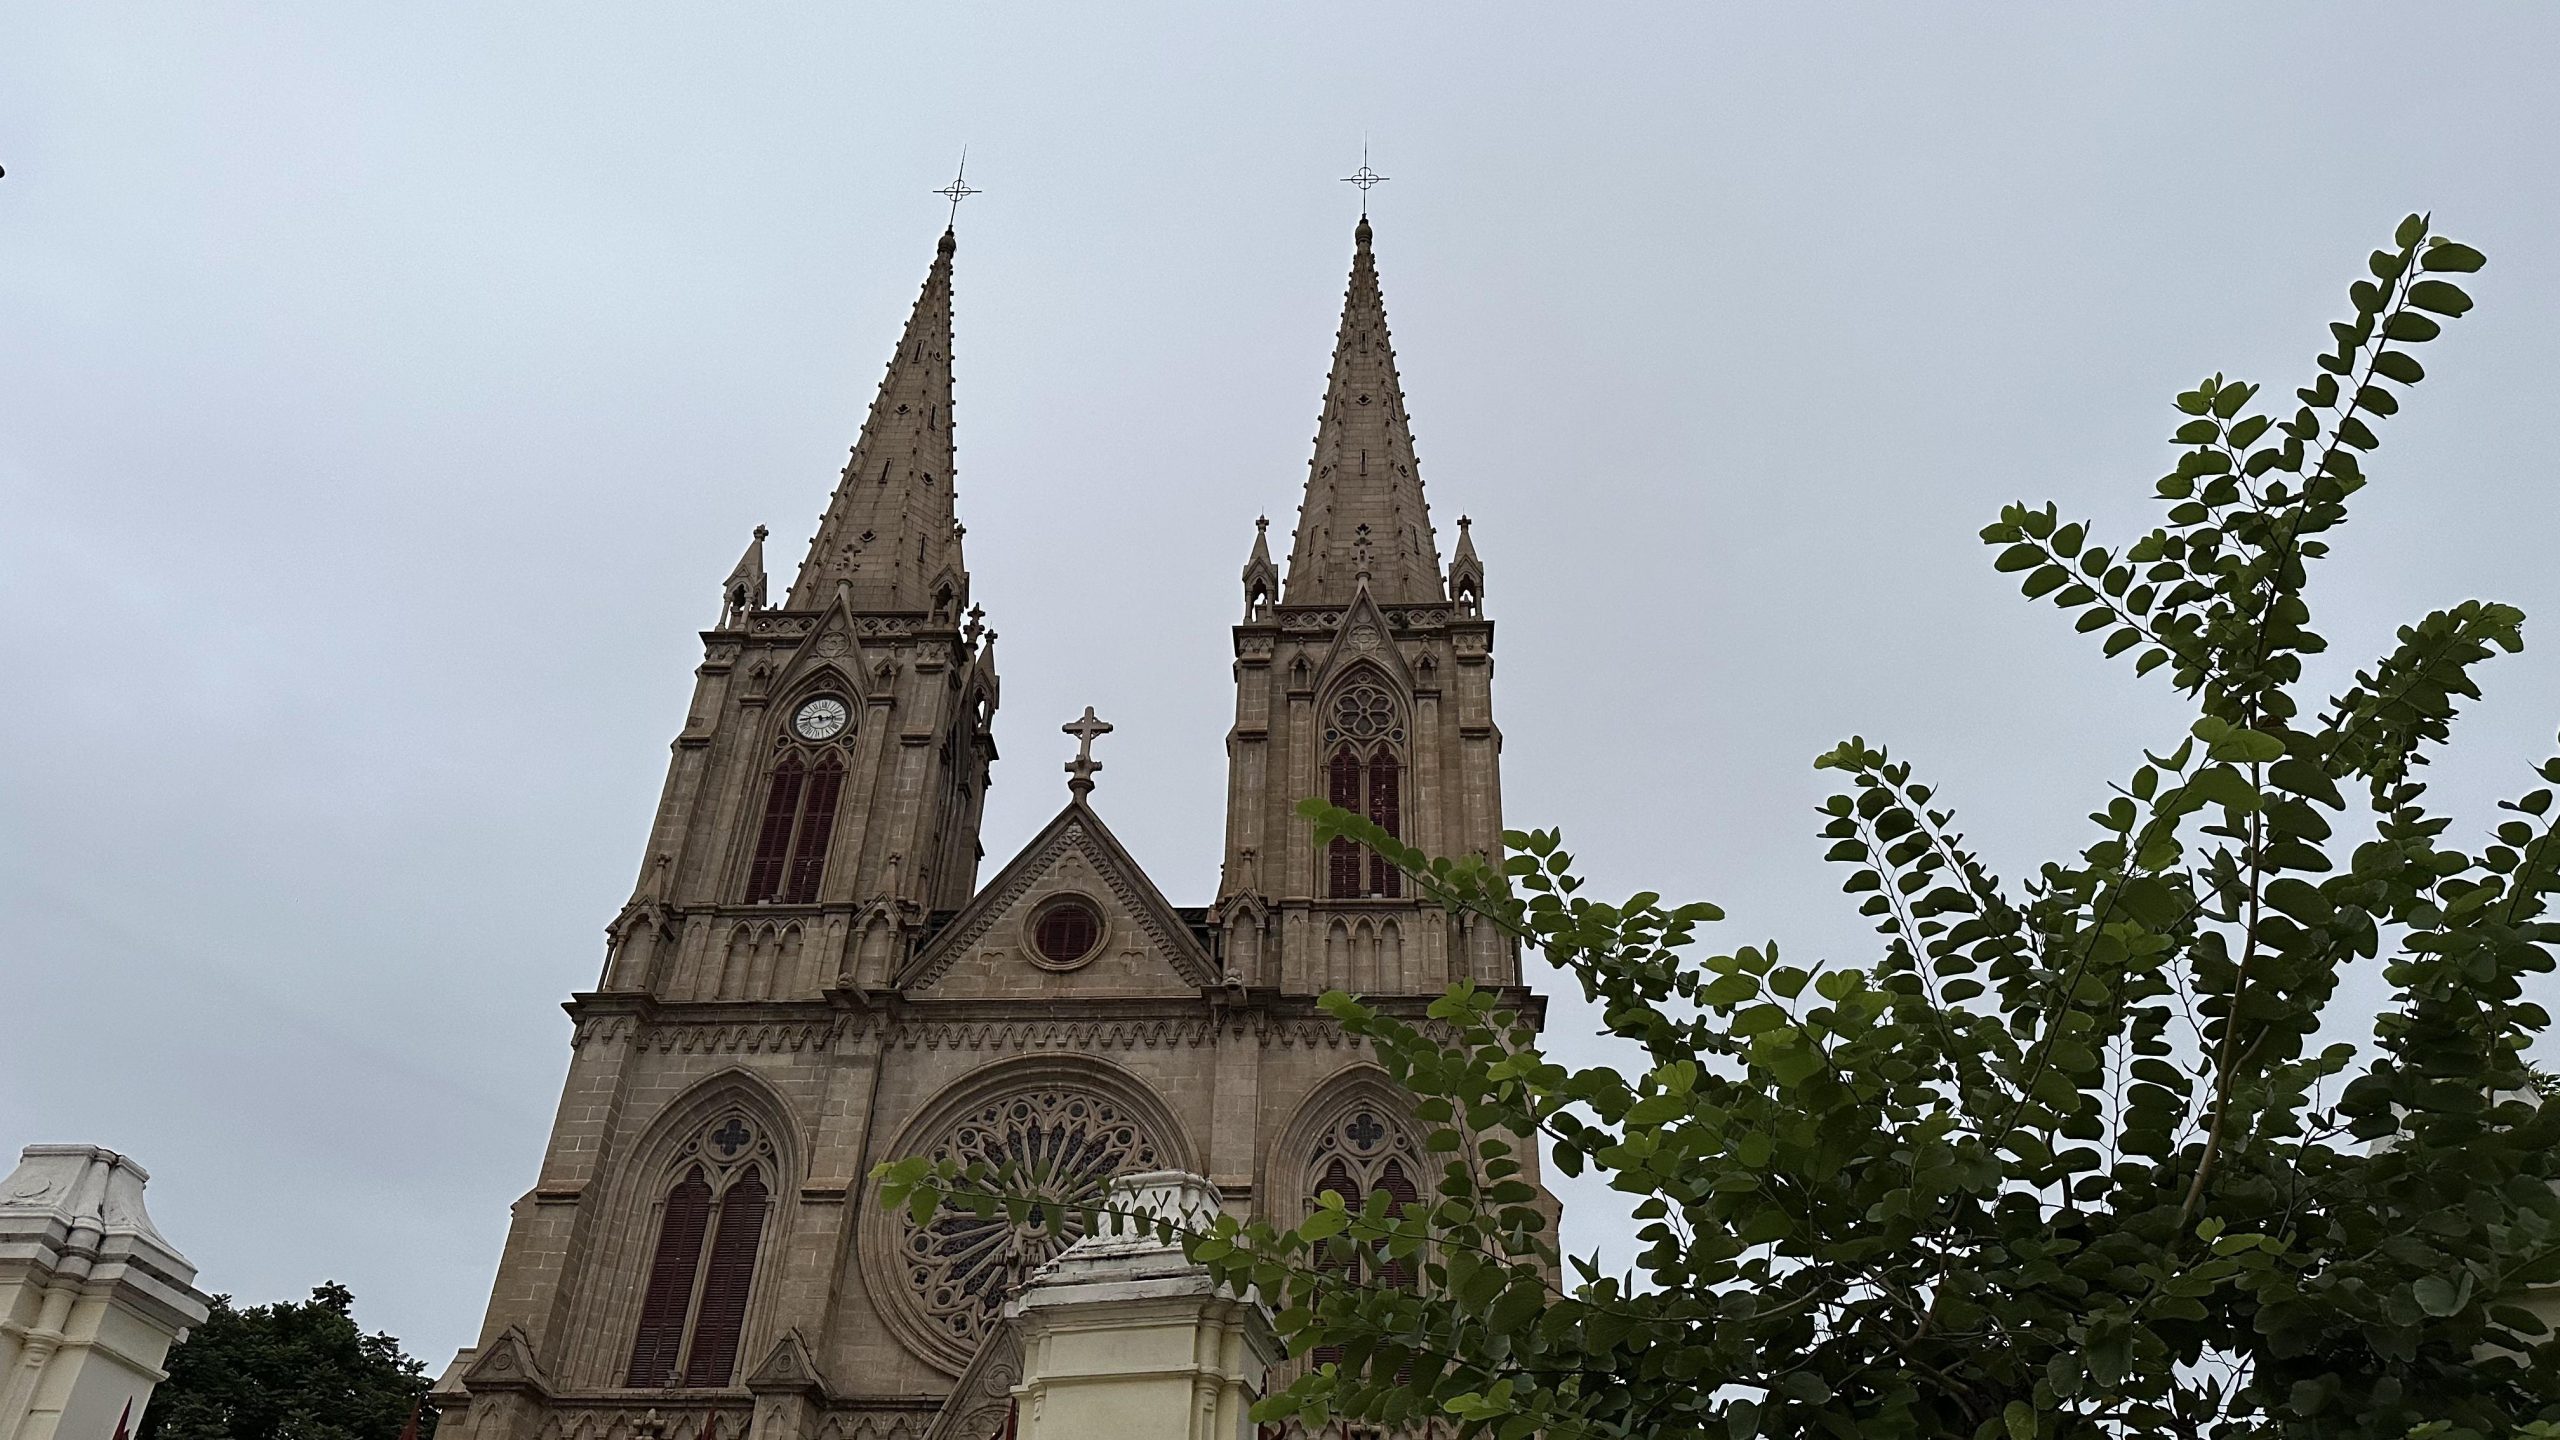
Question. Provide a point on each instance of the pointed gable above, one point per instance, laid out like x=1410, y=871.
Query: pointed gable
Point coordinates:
x=1363, y=637
x=1364, y=513
x=993, y=947
x=831, y=651
x=890, y=533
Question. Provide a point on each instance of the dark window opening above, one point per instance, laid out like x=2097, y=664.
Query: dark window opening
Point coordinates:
x=1066, y=932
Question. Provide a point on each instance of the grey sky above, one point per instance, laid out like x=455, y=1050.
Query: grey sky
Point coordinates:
x=384, y=392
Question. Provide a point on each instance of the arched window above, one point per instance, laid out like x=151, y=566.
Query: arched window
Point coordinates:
x=1363, y=776
x=709, y=1230
x=1365, y=1151
x=799, y=819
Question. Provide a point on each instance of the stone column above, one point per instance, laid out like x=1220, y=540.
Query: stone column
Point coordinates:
x=91, y=1297
x=1124, y=1338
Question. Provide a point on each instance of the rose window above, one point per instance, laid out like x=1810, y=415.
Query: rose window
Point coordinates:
x=1063, y=1143
x=1364, y=712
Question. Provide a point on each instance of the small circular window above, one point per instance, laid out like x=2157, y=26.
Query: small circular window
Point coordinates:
x=1066, y=932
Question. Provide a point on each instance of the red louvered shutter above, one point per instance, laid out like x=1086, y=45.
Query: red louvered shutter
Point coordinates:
x=724, y=1288
x=1336, y=1255
x=817, y=827
x=1386, y=811
x=1342, y=858
x=1399, y=1273
x=773, y=838
x=1400, y=1193
x=653, y=1354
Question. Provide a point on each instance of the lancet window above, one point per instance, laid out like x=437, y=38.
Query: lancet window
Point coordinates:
x=799, y=820
x=710, y=1225
x=1364, y=774
x=1365, y=1151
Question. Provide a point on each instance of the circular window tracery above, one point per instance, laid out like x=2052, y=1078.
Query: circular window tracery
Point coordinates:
x=959, y=1266
x=1364, y=711
x=1066, y=932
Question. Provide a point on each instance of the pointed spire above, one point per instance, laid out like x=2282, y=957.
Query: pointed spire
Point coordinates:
x=890, y=539
x=1364, y=510
x=1261, y=577
x=1466, y=572
x=743, y=593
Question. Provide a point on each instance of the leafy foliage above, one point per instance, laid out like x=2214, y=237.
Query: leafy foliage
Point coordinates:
x=287, y=1372
x=2063, y=1159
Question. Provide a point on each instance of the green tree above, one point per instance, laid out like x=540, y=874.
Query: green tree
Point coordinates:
x=2064, y=1158
x=287, y=1372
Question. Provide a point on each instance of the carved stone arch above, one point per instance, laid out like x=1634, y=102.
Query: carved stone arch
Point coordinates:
x=615, y=1288
x=1289, y=1173
x=874, y=957
x=772, y=964
x=940, y=1285
x=949, y=596
x=1366, y=676
x=720, y=971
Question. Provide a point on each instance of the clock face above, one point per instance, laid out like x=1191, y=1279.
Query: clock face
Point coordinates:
x=820, y=719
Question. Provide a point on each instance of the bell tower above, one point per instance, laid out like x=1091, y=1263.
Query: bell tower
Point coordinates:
x=824, y=798
x=1364, y=678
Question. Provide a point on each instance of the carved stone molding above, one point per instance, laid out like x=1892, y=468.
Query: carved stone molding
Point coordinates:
x=1135, y=1033
x=753, y=1038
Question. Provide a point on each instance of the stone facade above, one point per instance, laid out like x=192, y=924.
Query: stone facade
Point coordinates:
x=809, y=979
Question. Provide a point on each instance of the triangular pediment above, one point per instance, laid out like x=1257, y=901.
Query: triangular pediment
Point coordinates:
x=506, y=1363
x=829, y=656
x=787, y=1368
x=983, y=1396
x=991, y=949
x=1364, y=635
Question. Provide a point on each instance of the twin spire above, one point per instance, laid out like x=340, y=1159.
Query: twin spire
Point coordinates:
x=890, y=540
x=1364, y=515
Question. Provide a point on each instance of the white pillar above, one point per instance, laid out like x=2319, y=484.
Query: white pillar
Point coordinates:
x=91, y=1297
x=1124, y=1339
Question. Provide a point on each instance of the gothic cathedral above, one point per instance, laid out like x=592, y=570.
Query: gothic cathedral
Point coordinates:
x=809, y=978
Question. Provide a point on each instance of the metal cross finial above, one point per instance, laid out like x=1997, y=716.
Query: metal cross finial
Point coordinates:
x=1080, y=769
x=959, y=189
x=1365, y=178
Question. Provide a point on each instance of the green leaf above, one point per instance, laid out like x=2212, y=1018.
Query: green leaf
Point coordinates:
x=2451, y=255
x=2020, y=1418
x=2399, y=365
x=2441, y=296
x=2410, y=327
x=2440, y=1296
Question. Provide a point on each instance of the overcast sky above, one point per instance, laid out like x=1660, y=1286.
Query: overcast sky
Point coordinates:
x=385, y=390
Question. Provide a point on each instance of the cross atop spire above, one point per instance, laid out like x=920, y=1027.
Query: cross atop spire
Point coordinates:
x=1080, y=770
x=1366, y=178
x=958, y=190
x=1364, y=513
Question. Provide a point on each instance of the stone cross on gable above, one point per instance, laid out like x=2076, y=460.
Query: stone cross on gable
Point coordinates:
x=1080, y=770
